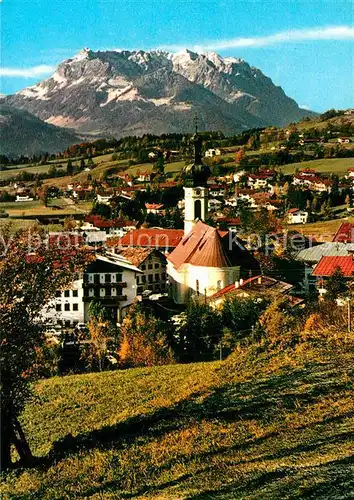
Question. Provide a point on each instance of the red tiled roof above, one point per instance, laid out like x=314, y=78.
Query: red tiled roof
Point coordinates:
x=327, y=266
x=152, y=237
x=101, y=222
x=256, y=283
x=293, y=210
x=136, y=255
x=154, y=206
x=230, y=220
x=201, y=247
x=345, y=233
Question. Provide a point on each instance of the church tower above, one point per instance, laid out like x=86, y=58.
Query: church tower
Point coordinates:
x=195, y=187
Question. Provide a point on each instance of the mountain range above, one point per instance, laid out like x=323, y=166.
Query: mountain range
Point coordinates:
x=24, y=134
x=135, y=92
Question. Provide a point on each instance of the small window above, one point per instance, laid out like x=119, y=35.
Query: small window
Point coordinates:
x=150, y=278
x=91, y=292
x=157, y=265
x=75, y=293
x=67, y=293
x=143, y=267
x=58, y=293
x=107, y=278
x=58, y=307
x=119, y=278
x=143, y=279
x=75, y=307
x=218, y=285
x=140, y=289
x=157, y=277
x=149, y=266
x=66, y=307
x=197, y=286
x=163, y=276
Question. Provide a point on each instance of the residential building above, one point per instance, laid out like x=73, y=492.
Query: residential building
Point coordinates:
x=210, y=153
x=328, y=265
x=23, y=198
x=297, y=216
x=345, y=233
x=155, y=208
x=110, y=280
x=152, y=264
x=161, y=239
x=257, y=287
x=104, y=198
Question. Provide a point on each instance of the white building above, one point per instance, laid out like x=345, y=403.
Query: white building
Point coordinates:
x=104, y=198
x=111, y=280
x=297, y=216
x=20, y=198
x=210, y=153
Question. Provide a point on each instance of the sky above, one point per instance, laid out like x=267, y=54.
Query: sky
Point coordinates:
x=306, y=47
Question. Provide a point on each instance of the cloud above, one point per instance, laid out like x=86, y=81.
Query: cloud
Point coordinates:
x=301, y=35
x=32, y=72
x=304, y=106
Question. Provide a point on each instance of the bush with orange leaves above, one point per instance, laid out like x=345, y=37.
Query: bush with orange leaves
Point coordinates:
x=144, y=340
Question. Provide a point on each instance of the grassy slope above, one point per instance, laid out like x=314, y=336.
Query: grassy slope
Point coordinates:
x=37, y=207
x=272, y=426
x=325, y=165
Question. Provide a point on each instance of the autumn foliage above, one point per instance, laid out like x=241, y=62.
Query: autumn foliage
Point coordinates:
x=144, y=340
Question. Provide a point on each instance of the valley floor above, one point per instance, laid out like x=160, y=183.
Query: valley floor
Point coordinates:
x=260, y=425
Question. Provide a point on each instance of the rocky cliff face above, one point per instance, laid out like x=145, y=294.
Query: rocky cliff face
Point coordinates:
x=132, y=92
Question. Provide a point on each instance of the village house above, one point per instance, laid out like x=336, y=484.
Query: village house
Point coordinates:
x=143, y=176
x=259, y=181
x=22, y=198
x=312, y=255
x=162, y=239
x=297, y=216
x=210, y=153
x=217, y=190
x=105, y=198
x=232, y=224
x=258, y=287
x=155, y=208
x=152, y=264
x=110, y=279
x=328, y=265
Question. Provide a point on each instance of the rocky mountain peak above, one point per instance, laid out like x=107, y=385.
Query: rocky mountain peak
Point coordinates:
x=125, y=92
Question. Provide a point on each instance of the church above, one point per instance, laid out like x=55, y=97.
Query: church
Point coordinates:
x=206, y=259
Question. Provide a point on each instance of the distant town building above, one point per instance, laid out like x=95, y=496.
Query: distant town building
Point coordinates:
x=297, y=216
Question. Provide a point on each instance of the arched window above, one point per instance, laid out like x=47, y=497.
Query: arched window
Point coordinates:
x=218, y=285
x=197, y=209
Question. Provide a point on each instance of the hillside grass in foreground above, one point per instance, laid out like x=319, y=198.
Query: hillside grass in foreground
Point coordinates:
x=261, y=424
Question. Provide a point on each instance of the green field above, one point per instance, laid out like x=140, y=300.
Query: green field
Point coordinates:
x=37, y=207
x=260, y=425
x=327, y=165
x=36, y=169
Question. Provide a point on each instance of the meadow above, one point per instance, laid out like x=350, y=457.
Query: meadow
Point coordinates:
x=58, y=207
x=263, y=424
x=337, y=166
